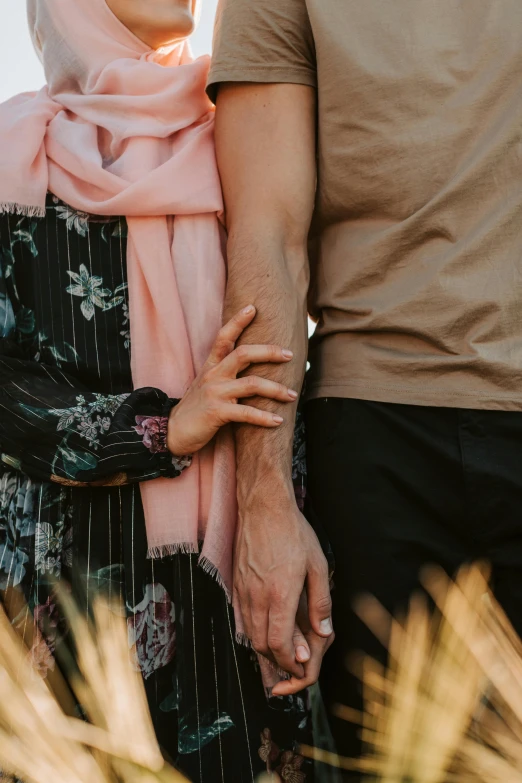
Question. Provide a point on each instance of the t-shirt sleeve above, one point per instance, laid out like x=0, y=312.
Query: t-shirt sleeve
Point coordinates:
x=266, y=41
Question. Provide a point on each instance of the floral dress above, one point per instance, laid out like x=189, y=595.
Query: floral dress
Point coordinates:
x=75, y=441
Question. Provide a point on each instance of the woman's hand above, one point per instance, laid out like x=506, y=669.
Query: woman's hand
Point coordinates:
x=213, y=398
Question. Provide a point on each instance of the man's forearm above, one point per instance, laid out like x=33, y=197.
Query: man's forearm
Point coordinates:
x=265, y=141
x=272, y=275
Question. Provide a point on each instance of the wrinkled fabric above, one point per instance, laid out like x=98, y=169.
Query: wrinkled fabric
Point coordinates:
x=415, y=255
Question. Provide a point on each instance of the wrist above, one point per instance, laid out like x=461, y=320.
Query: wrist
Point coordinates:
x=272, y=495
x=172, y=440
x=175, y=445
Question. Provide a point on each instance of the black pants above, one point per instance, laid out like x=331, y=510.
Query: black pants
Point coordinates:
x=396, y=487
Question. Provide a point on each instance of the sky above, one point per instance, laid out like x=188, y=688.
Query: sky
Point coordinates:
x=19, y=65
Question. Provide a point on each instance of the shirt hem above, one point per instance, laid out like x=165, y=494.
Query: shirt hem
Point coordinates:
x=436, y=398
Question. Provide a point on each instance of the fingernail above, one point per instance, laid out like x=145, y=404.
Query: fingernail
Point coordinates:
x=293, y=394
x=278, y=419
x=287, y=354
x=326, y=626
x=302, y=654
x=248, y=310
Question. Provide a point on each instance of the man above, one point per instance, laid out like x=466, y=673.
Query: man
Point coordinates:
x=408, y=114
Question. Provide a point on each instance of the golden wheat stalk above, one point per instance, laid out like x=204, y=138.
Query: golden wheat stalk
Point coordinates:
x=448, y=708
x=41, y=741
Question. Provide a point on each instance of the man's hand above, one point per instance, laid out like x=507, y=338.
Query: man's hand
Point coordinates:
x=277, y=553
x=310, y=649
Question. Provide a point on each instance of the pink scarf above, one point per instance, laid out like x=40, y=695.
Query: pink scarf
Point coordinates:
x=123, y=130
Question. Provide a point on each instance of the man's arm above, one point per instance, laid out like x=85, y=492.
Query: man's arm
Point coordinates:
x=265, y=135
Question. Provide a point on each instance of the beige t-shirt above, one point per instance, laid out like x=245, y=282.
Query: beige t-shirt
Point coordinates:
x=417, y=242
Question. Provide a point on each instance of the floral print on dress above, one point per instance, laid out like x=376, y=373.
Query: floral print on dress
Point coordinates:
x=288, y=765
x=268, y=752
x=53, y=547
x=125, y=332
x=35, y=524
x=17, y=527
x=70, y=503
x=45, y=635
x=56, y=352
x=89, y=288
x=290, y=768
x=153, y=430
x=90, y=418
x=24, y=233
x=13, y=560
x=151, y=630
x=74, y=219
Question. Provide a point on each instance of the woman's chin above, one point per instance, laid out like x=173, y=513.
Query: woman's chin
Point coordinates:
x=186, y=25
x=182, y=28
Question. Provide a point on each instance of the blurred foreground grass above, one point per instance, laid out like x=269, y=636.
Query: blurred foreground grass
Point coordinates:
x=448, y=708
x=41, y=740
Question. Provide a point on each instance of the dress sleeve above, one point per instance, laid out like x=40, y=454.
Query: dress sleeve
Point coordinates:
x=54, y=430
x=268, y=41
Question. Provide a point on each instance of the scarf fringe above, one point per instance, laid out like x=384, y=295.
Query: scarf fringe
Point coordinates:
x=212, y=570
x=12, y=208
x=242, y=639
x=167, y=550
x=158, y=552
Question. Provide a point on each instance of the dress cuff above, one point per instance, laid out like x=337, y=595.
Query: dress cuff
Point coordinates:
x=171, y=466
x=154, y=432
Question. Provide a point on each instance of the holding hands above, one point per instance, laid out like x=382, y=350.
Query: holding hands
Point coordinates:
x=281, y=575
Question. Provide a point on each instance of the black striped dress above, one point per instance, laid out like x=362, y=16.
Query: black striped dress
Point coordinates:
x=75, y=441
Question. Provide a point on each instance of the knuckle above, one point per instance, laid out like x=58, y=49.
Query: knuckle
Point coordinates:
x=242, y=352
x=205, y=378
x=323, y=604
x=220, y=341
x=276, y=644
x=276, y=595
x=320, y=569
x=251, y=383
x=260, y=646
x=215, y=412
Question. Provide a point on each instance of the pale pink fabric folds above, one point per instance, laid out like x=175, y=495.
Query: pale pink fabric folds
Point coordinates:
x=122, y=130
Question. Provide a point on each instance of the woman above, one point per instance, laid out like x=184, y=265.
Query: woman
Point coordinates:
x=109, y=237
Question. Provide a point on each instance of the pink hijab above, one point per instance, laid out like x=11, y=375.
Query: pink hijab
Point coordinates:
x=123, y=130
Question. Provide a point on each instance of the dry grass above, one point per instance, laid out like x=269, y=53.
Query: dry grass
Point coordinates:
x=448, y=709
x=42, y=741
